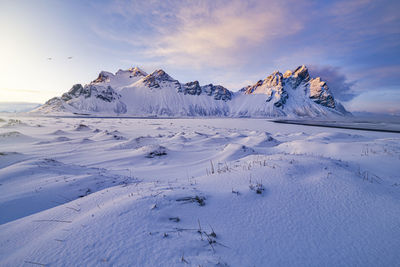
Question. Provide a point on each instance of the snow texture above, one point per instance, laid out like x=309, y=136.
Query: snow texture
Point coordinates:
x=196, y=192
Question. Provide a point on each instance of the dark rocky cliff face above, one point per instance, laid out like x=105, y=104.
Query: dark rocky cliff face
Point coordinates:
x=319, y=92
x=191, y=88
x=159, y=77
x=277, y=86
x=218, y=92
x=104, y=93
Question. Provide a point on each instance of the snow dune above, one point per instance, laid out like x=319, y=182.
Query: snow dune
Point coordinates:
x=196, y=192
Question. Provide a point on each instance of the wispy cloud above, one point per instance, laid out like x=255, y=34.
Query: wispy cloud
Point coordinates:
x=338, y=82
x=223, y=33
x=220, y=41
x=220, y=33
x=199, y=33
x=387, y=72
x=384, y=100
x=359, y=21
x=352, y=45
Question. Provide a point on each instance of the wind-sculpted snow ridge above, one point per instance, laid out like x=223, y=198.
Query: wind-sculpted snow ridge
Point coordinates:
x=196, y=192
x=134, y=92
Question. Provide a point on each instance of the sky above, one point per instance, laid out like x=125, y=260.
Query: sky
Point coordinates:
x=353, y=45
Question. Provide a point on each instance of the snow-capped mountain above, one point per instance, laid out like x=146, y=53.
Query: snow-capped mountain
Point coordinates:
x=293, y=93
x=134, y=92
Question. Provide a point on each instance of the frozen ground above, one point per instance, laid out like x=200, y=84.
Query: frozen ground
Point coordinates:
x=196, y=192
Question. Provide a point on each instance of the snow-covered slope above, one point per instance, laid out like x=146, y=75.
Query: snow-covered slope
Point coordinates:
x=134, y=92
x=196, y=192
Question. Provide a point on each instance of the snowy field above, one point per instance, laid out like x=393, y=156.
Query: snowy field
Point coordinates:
x=196, y=192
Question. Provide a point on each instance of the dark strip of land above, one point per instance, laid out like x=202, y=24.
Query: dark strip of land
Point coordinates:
x=332, y=125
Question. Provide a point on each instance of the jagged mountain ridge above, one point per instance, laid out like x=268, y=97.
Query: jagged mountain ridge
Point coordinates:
x=134, y=92
x=274, y=87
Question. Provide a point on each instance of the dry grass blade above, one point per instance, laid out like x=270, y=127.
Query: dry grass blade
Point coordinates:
x=35, y=263
x=53, y=221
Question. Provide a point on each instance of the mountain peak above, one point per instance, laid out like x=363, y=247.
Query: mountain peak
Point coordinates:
x=301, y=71
x=135, y=92
x=136, y=71
x=158, y=77
x=161, y=74
x=131, y=72
x=103, y=77
x=278, y=87
x=297, y=76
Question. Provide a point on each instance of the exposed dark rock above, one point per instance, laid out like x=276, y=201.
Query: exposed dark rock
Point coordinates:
x=275, y=86
x=283, y=96
x=76, y=91
x=159, y=77
x=219, y=92
x=320, y=94
x=103, y=76
x=191, y=88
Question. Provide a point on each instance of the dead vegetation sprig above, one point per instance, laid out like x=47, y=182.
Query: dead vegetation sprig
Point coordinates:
x=256, y=186
x=60, y=221
x=36, y=263
x=199, y=199
x=368, y=176
x=224, y=167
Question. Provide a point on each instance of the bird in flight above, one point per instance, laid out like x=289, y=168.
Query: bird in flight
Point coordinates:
x=69, y=57
x=49, y=58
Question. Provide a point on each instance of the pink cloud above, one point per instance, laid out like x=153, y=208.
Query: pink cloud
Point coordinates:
x=203, y=33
